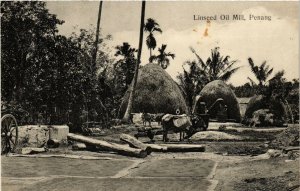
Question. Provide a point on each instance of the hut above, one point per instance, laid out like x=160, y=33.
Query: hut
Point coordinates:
x=255, y=103
x=276, y=107
x=156, y=92
x=219, y=90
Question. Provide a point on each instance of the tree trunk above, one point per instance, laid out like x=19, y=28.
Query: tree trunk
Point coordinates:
x=126, y=116
x=97, y=36
x=289, y=109
x=181, y=147
x=133, y=142
x=121, y=149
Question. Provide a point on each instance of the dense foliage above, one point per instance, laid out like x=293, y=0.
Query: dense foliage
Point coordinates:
x=44, y=72
x=245, y=90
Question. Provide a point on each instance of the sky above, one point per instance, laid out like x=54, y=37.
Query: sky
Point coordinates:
x=276, y=41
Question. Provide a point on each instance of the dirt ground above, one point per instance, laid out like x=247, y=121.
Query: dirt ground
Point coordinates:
x=225, y=165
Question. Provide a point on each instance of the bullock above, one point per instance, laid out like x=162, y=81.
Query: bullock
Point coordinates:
x=147, y=117
x=182, y=124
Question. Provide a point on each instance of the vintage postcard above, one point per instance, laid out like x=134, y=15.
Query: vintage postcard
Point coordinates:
x=150, y=95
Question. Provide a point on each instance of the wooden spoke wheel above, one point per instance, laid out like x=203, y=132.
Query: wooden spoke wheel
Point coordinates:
x=9, y=134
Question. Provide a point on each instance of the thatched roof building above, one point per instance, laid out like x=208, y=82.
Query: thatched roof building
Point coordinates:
x=278, y=108
x=218, y=89
x=255, y=103
x=156, y=92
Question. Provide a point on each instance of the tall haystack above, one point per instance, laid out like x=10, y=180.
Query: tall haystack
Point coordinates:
x=156, y=92
x=218, y=89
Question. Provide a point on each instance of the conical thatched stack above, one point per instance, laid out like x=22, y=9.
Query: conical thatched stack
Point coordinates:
x=218, y=89
x=156, y=92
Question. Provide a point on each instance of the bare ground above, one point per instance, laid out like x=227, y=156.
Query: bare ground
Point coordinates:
x=226, y=165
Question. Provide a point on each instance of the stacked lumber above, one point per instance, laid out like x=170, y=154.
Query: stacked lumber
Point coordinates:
x=121, y=149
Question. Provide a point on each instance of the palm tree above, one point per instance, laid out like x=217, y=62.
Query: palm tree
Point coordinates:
x=125, y=50
x=126, y=64
x=190, y=83
x=216, y=67
x=261, y=72
x=151, y=26
x=200, y=73
x=162, y=59
x=126, y=117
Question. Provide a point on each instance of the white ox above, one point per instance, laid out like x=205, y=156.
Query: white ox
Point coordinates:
x=180, y=123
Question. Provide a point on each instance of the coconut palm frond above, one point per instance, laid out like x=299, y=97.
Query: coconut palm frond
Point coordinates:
x=225, y=60
x=270, y=72
x=251, y=81
x=200, y=61
x=252, y=66
x=229, y=65
x=153, y=58
x=262, y=66
x=157, y=29
x=225, y=77
x=278, y=75
x=170, y=55
x=261, y=72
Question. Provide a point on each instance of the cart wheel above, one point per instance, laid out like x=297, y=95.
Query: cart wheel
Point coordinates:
x=9, y=134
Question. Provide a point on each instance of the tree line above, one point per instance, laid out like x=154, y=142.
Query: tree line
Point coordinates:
x=45, y=73
x=50, y=75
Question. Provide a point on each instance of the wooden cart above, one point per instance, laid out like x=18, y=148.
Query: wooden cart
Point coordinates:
x=9, y=133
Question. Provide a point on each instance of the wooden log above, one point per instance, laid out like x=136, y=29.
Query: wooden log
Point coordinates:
x=32, y=150
x=157, y=148
x=79, y=146
x=76, y=146
x=181, y=147
x=133, y=142
x=121, y=149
